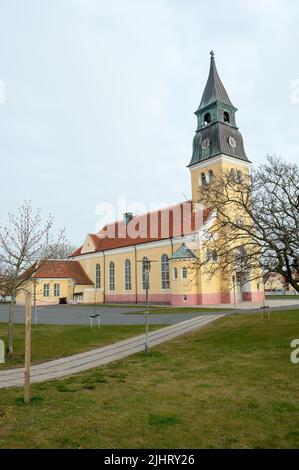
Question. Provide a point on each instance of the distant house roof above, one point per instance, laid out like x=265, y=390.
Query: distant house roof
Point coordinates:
x=179, y=220
x=183, y=253
x=62, y=269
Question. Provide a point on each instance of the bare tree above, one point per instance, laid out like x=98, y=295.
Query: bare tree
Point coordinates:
x=21, y=243
x=254, y=225
x=60, y=250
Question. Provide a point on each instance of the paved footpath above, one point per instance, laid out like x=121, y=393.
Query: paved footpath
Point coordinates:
x=97, y=357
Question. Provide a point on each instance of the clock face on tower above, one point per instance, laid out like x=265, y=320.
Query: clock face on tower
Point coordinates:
x=205, y=144
x=232, y=142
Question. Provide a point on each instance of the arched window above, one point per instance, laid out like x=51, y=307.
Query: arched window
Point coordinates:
x=128, y=284
x=207, y=119
x=203, y=179
x=241, y=260
x=226, y=116
x=175, y=273
x=145, y=276
x=98, y=276
x=165, y=272
x=232, y=174
x=239, y=176
x=184, y=273
x=211, y=176
x=111, y=276
x=212, y=255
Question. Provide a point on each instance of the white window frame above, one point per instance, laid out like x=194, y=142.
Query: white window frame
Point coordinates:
x=98, y=276
x=128, y=275
x=184, y=270
x=203, y=179
x=111, y=276
x=46, y=290
x=56, y=289
x=165, y=281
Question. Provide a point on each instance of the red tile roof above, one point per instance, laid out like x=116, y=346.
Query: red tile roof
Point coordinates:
x=62, y=269
x=174, y=221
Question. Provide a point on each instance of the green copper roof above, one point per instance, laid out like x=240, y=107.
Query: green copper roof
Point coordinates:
x=214, y=90
x=217, y=132
x=218, y=135
x=183, y=252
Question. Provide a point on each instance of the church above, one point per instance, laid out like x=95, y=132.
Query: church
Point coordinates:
x=110, y=266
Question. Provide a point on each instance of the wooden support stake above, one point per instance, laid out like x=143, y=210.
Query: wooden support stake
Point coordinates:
x=27, y=348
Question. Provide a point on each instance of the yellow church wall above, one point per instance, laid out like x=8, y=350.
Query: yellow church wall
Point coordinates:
x=250, y=290
x=218, y=166
x=198, y=289
x=154, y=254
x=88, y=245
x=137, y=293
x=152, y=251
x=201, y=290
x=91, y=295
x=184, y=290
x=120, y=293
x=89, y=265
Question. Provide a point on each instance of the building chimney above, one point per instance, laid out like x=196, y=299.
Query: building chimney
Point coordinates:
x=128, y=216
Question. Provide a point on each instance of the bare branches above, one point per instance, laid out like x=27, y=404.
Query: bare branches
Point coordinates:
x=256, y=229
x=26, y=240
x=60, y=250
x=25, y=243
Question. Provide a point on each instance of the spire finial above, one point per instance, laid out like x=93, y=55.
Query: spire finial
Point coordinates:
x=212, y=55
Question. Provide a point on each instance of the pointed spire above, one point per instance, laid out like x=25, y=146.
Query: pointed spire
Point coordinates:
x=214, y=90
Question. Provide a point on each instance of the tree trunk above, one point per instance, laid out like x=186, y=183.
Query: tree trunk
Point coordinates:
x=10, y=329
x=27, y=349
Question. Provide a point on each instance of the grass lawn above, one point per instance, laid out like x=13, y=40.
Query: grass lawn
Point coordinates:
x=228, y=385
x=282, y=296
x=53, y=341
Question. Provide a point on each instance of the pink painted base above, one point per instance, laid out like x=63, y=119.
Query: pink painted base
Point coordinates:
x=191, y=299
x=155, y=298
x=181, y=300
x=254, y=296
x=214, y=298
x=120, y=298
x=131, y=298
x=201, y=299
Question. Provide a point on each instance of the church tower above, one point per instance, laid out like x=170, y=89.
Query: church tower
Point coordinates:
x=217, y=144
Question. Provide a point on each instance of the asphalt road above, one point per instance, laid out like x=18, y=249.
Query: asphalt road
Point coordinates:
x=79, y=315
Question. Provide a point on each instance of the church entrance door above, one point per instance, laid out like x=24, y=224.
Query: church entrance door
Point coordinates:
x=239, y=288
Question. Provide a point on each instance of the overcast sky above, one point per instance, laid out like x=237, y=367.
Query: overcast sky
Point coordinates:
x=100, y=95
